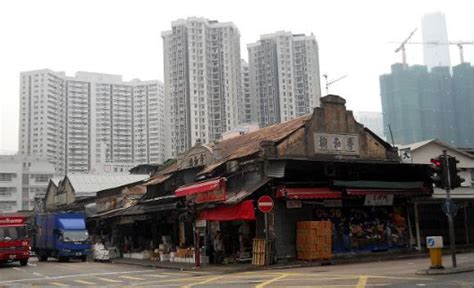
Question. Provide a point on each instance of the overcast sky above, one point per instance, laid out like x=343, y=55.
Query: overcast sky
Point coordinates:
x=123, y=37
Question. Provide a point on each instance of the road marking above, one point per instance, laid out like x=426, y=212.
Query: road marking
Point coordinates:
x=203, y=282
x=84, y=282
x=31, y=264
x=109, y=280
x=156, y=275
x=38, y=274
x=59, y=284
x=132, y=278
x=261, y=285
x=75, y=275
x=362, y=281
x=17, y=269
x=158, y=282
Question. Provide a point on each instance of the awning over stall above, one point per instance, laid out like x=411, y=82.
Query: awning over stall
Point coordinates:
x=308, y=193
x=201, y=187
x=363, y=192
x=242, y=211
x=207, y=191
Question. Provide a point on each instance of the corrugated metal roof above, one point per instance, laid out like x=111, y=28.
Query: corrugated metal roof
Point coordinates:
x=89, y=185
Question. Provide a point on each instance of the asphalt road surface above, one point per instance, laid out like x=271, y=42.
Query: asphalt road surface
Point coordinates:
x=400, y=273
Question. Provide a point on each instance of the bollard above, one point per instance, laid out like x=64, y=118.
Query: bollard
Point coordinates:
x=435, y=245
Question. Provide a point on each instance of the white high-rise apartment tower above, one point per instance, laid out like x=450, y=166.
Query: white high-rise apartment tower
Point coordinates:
x=202, y=80
x=79, y=122
x=434, y=30
x=247, y=104
x=284, y=76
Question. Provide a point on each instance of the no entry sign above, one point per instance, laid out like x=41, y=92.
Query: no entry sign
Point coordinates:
x=265, y=204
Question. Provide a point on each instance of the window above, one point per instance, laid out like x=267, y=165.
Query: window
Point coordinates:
x=6, y=177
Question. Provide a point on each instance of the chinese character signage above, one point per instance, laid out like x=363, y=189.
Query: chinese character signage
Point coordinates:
x=378, y=200
x=331, y=143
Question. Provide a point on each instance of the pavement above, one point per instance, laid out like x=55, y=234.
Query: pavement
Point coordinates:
x=338, y=259
x=393, y=273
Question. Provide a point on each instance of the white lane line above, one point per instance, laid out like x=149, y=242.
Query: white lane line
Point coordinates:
x=109, y=280
x=77, y=275
x=84, y=282
x=131, y=278
x=39, y=274
x=59, y=284
x=156, y=275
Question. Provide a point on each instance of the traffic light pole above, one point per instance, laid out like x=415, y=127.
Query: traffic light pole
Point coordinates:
x=450, y=215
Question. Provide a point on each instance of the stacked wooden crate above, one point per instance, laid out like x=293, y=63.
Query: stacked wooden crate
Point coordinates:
x=258, y=252
x=314, y=240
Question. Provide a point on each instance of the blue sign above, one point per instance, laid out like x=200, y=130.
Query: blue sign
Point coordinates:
x=431, y=242
x=449, y=207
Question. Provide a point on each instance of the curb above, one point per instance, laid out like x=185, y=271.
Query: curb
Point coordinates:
x=445, y=271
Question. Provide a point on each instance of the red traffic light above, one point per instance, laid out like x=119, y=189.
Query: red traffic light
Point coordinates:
x=436, y=162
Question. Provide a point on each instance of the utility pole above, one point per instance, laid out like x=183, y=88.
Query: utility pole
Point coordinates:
x=450, y=215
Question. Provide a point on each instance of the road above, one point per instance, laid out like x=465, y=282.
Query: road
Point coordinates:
x=398, y=273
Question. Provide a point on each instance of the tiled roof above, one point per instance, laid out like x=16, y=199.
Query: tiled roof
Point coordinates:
x=249, y=144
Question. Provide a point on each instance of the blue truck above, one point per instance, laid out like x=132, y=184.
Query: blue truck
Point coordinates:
x=62, y=236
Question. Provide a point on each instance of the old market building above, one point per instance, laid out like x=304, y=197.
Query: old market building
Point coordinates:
x=322, y=166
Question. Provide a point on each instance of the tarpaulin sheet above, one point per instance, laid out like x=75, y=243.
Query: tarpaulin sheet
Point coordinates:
x=241, y=211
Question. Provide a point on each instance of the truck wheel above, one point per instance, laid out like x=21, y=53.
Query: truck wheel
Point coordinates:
x=84, y=258
x=23, y=262
x=42, y=257
x=63, y=259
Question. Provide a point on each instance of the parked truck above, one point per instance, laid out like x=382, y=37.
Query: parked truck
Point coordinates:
x=62, y=236
x=14, y=241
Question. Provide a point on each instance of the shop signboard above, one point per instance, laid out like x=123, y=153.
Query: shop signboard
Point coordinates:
x=290, y=204
x=378, y=200
x=211, y=195
x=201, y=223
x=332, y=203
x=333, y=143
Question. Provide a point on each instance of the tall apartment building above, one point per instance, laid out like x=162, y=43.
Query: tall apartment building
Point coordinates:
x=434, y=30
x=371, y=120
x=202, y=80
x=22, y=179
x=78, y=122
x=420, y=105
x=247, y=103
x=284, y=76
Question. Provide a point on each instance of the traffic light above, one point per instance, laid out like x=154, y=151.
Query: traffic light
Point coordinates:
x=440, y=173
x=454, y=178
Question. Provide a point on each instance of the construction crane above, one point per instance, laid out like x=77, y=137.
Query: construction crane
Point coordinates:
x=457, y=43
x=402, y=48
x=329, y=83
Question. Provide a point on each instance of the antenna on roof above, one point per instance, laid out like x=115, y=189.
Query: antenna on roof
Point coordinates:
x=391, y=134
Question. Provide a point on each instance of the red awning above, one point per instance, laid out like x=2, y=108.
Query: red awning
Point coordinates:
x=362, y=192
x=241, y=211
x=200, y=187
x=308, y=193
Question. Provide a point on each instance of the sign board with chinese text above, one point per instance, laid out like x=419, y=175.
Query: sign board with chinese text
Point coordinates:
x=290, y=204
x=332, y=203
x=332, y=143
x=378, y=200
x=215, y=195
x=405, y=155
